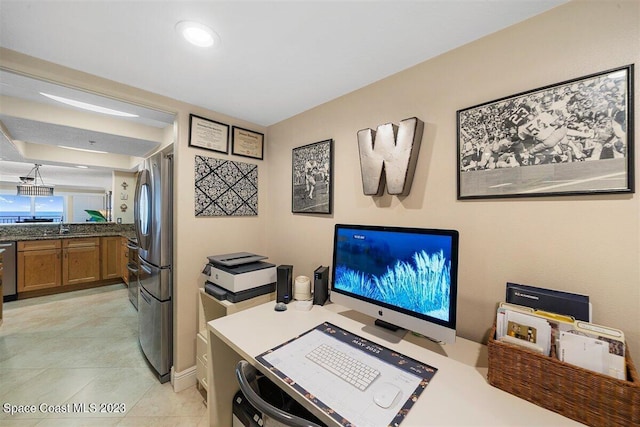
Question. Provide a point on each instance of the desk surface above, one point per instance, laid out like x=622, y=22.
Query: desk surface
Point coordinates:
x=458, y=395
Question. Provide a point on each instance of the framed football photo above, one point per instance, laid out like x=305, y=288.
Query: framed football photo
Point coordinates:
x=312, y=178
x=574, y=137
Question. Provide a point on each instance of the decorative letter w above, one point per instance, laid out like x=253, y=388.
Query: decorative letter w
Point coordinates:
x=388, y=157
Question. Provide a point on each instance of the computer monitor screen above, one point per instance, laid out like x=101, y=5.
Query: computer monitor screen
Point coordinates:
x=406, y=277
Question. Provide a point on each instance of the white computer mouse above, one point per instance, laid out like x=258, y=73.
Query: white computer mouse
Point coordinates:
x=386, y=394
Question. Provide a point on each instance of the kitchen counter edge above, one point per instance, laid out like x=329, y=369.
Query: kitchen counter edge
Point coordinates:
x=18, y=238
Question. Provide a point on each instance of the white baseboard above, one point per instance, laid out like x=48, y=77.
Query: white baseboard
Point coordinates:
x=183, y=380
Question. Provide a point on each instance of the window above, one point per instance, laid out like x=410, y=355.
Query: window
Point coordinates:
x=30, y=209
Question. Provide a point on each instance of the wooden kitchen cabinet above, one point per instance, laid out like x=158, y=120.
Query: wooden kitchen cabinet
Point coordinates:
x=110, y=257
x=80, y=260
x=39, y=265
x=64, y=264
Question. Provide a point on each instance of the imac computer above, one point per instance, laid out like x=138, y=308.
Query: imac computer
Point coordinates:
x=403, y=277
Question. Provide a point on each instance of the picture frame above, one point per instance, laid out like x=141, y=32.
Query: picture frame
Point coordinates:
x=569, y=138
x=247, y=143
x=208, y=134
x=312, y=178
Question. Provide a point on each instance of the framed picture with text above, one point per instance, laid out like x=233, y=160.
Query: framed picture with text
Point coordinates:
x=208, y=134
x=247, y=143
x=569, y=138
x=312, y=178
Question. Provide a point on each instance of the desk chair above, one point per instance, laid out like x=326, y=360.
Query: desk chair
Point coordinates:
x=247, y=377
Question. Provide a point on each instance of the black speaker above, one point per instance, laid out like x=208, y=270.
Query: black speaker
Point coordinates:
x=320, y=285
x=284, y=286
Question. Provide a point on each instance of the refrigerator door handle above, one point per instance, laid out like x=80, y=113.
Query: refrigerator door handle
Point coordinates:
x=142, y=209
x=144, y=295
x=145, y=268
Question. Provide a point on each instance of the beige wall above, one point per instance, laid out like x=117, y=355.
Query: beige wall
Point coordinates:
x=585, y=244
x=123, y=196
x=582, y=244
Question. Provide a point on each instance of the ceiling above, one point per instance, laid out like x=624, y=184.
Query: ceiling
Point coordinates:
x=34, y=127
x=276, y=58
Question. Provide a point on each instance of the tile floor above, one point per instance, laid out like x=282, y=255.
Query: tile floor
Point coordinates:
x=82, y=348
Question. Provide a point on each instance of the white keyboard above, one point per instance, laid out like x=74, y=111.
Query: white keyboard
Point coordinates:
x=343, y=366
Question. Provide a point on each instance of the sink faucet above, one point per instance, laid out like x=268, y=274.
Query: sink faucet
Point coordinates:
x=63, y=229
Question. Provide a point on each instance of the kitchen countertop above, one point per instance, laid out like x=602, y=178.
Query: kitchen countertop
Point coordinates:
x=19, y=232
x=54, y=236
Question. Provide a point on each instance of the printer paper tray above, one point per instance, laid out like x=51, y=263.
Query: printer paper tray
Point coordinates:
x=222, y=294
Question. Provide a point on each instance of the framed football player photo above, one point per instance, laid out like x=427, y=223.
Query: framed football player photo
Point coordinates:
x=312, y=178
x=569, y=138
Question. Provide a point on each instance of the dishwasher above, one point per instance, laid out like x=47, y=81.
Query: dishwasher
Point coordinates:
x=9, y=277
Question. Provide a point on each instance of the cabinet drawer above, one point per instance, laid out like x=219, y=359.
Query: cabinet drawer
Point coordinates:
x=201, y=360
x=201, y=373
x=201, y=347
x=37, y=245
x=80, y=242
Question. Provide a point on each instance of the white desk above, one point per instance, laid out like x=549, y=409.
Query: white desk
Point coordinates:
x=458, y=395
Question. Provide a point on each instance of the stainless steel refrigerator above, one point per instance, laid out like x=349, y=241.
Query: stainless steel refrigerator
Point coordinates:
x=153, y=218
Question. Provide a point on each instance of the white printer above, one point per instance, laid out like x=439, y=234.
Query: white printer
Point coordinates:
x=239, y=276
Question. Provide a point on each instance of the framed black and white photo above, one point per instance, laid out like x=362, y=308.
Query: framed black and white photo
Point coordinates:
x=574, y=137
x=208, y=134
x=312, y=178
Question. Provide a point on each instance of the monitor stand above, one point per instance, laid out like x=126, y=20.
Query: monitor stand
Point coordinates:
x=371, y=326
x=387, y=325
x=399, y=331
x=386, y=331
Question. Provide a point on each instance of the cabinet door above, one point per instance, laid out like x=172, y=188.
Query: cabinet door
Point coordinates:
x=81, y=264
x=38, y=269
x=110, y=259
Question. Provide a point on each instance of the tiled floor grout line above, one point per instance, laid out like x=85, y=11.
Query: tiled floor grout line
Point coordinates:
x=110, y=369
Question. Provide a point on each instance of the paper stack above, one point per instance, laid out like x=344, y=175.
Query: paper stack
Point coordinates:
x=590, y=346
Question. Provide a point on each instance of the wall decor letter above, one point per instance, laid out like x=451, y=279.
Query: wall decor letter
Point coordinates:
x=388, y=157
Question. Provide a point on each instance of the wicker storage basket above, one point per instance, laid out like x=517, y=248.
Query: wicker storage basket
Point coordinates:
x=585, y=396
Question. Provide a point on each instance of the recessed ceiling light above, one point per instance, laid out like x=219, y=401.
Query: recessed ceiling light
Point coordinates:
x=82, y=149
x=197, y=34
x=82, y=167
x=86, y=106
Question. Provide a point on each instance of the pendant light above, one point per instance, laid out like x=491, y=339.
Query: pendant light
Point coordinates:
x=30, y=186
